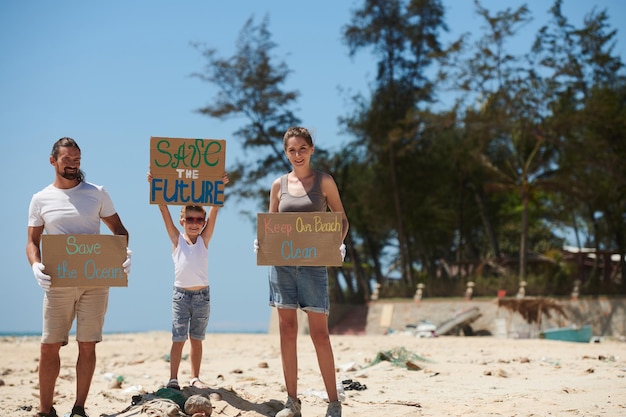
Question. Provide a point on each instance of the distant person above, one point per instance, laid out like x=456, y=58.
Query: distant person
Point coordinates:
x=191, y=295
x=291, y=287
x=70, y=205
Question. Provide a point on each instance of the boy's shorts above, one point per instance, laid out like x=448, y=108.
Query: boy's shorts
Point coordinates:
x=62, y=305
x=190, y=313
x=304, y=287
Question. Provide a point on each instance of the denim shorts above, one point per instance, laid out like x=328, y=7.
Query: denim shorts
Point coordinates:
x=304, y=287
x=190, y=313
x=62, y=305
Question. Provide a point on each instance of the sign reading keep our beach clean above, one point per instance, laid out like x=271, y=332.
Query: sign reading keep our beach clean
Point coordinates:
x=85, y=260
x=299, y=239
x=187, y=171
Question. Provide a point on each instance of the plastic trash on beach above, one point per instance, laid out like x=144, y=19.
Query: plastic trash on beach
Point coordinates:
x=341, y=394
x=350, y=385
x=425, y=329
x=350, y=366
x=400, y=356
x=134, y=389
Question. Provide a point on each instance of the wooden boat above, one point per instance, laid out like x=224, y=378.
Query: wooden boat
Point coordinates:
x=460, y=322
x=569, y=334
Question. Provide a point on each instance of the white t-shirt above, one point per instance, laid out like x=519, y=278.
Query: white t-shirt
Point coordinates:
x=191, y=263
x=70, y=211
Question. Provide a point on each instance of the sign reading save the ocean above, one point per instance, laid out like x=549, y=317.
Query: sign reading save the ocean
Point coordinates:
x=84, y=260
x=299, y=239
x=187, y=171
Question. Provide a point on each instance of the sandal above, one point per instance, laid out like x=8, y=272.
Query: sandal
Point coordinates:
x=197, y=383
x=173, y=384
x=78, y=411
x=51, y=413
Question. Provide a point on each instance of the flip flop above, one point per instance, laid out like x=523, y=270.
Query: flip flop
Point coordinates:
x=173, y=384
x=197, y=383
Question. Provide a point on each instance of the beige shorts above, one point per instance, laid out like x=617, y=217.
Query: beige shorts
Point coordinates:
x=62, y=305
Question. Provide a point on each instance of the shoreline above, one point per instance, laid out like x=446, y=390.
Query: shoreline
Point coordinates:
x=109, y=333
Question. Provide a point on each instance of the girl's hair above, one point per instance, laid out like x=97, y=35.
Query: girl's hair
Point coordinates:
x=297, y=131
x=185, y=209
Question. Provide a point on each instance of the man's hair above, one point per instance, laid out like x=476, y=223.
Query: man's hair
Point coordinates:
x=65, y=143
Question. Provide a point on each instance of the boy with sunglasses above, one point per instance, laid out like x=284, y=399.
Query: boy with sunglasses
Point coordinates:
x=191, y=296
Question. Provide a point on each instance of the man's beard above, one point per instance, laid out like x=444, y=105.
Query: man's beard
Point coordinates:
x=73, y=175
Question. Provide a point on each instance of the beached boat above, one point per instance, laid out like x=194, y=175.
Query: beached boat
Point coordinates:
x=460, y=322
x=569, y=334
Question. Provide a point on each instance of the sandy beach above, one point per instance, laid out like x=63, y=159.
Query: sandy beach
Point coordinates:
x=442, y=376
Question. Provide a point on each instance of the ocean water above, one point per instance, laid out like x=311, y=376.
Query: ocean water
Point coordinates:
x=37, y=334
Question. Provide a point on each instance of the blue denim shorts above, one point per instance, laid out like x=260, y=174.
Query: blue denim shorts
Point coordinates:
x=304, y=287
x=190, y=313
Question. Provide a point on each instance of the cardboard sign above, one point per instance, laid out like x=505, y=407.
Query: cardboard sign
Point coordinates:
x=187, y=171
x=299, y=239
x=85, y=260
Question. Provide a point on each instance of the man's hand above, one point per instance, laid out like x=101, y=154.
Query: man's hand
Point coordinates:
x=43, y=280
x=126, y=264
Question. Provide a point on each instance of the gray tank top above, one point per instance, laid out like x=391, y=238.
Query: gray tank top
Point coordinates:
x=314, y=200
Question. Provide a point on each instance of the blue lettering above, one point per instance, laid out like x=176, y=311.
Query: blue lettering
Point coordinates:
x=289, y=252
x=91, y=271
x=184, y=191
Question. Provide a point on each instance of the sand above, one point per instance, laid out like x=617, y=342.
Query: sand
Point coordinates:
x=447, y=376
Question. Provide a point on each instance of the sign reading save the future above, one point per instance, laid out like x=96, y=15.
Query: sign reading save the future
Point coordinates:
x=85, y=260
x=299, y=239
x=187, y=171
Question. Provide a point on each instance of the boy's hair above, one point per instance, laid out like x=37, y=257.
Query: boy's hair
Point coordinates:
x=185, y=209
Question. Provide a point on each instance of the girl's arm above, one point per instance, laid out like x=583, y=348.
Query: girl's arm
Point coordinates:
x=170, y=227
x=274, y=193
x=329, y=188
x=207, y=232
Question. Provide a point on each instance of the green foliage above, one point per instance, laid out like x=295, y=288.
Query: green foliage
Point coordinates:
x=249, y=87
x=395, y=288
x=480, y=190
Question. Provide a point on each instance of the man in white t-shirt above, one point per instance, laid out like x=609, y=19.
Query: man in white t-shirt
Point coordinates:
x=69, y=205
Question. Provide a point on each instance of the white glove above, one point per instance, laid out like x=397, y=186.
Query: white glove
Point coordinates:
x=255, y=245
x=43, y=280
x=342, y=249
x=126, y=264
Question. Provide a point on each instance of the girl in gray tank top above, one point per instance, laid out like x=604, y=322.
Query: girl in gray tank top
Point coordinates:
x=304, y=287
x=313, y=200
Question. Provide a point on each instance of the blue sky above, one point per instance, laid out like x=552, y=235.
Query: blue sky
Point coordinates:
x=111, y=74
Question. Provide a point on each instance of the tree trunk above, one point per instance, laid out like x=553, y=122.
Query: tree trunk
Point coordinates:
x=363, y=289
x=487, y=224
x=407, y=273
x=524, y=237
